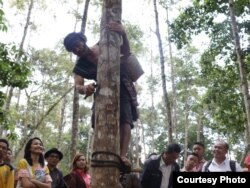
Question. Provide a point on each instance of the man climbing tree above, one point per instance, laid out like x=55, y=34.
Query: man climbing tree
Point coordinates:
x=115, y=92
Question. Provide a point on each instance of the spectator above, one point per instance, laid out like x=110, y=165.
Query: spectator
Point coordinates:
x=79, y=176
x=53, y=157
x=31, y=170
x=158, y=172
x=9, y=158
x=190, y=163
x=6, y=170
x=247, y=163
x=220, y=163
x=199, y=149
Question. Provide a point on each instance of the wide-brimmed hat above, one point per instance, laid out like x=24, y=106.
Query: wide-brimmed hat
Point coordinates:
x=53, y=150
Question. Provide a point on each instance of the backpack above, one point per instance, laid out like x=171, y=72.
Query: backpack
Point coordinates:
x=231, y=163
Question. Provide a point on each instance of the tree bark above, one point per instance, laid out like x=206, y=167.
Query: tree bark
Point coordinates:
x=163, y=78
x=242, y=66
x=106, y=145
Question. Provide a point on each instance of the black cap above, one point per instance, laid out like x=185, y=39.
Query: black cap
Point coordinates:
x=53, y=150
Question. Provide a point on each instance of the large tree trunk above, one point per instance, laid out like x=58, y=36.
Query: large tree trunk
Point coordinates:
x=163, y=78
x=75, y=120
x=105, y=157
x=242, y=66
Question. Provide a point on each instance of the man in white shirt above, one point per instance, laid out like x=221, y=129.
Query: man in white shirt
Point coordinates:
x=220, y=163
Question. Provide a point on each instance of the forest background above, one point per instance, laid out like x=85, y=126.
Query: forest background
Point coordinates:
x=195, y=86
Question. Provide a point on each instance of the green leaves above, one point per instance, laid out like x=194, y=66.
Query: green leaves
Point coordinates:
x=14, y=67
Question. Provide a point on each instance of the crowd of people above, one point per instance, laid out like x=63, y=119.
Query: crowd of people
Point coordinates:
x=158, y=169
x=39, y=169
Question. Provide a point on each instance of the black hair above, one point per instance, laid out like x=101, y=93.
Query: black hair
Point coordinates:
x=200, y=144
x=151, y=154
x=5, y=141
x=173, y=148
x=27, y=153
x=72, y=38
x=194, y=154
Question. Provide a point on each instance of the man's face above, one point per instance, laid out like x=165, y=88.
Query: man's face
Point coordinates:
x=219, y=150
x=8, y=156
x=192, y=161
x=3, y=150
x=199, y=150
x=80, y=49
x=53, y=159
x=170, y=158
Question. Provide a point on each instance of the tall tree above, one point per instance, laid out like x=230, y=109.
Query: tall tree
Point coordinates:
x=219, y=73
x=242, y=66
x=27, y=24
x=106, y=134
x=75, y=121
x=163, y=77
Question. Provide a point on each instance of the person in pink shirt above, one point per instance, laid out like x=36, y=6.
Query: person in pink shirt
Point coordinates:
x=79, y=176
x=247, y=163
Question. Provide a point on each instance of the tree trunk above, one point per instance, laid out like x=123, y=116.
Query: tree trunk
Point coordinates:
x=61, y=123
x=174, y=105
x=242, y=66
x=199, y=129
x=186, y=112
x=75, y=120
x=105, y=157
x=75, y=123
x=22, y=43
x=163, y=77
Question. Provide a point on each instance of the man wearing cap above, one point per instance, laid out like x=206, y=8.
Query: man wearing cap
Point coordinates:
x=53, y=157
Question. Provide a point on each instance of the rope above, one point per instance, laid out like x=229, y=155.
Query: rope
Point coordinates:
x=105, y=163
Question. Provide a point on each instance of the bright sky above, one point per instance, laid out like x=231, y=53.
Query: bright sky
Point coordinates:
x=56, y=22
